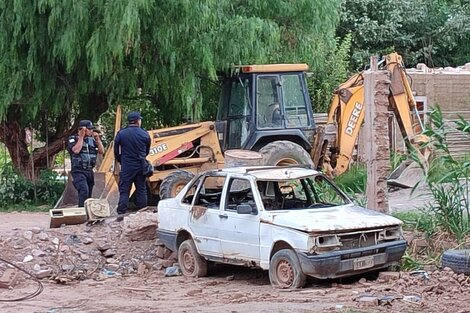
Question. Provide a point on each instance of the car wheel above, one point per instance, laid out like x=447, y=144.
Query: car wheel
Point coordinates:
x=191, y=263
x=457, y=260
x=285, y=271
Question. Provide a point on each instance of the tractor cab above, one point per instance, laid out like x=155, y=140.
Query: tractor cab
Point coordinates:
x=263, y=103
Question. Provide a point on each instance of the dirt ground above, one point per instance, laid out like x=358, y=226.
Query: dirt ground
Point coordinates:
x=226, y=289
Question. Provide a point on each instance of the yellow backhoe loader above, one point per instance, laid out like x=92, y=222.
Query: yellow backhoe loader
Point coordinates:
x=264, y=108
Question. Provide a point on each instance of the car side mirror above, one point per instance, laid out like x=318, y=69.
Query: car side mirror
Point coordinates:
x=244, y=209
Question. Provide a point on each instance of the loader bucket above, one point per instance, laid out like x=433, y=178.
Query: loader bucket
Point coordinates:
x=406, y=175
x=106, y=187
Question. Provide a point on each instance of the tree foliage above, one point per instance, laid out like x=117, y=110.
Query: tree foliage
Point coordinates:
x=62, y=60
x=435, y=32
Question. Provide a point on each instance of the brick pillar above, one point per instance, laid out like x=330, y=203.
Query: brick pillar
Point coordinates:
x=377, y=146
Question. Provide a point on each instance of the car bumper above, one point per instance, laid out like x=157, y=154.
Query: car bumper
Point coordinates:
x=168, y=238
x=353, y=261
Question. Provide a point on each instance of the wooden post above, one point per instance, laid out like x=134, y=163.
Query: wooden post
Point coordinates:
x=377, y=147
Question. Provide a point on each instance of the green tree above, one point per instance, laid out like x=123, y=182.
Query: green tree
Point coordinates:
x=434, y=32
x=63, y=60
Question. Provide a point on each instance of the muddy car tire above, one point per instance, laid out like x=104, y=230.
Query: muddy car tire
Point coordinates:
x=191, y=263
x=457, y=260
x=173, y=183
x=285, y=271
x=285, y=152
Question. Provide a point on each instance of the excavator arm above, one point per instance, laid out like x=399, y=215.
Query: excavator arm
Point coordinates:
x=346, y=114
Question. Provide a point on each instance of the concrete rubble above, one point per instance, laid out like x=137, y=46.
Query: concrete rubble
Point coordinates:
x=78, y=252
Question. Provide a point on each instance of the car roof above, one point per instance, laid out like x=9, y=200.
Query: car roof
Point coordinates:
x=272, y=172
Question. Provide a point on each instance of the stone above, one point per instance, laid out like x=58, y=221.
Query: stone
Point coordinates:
x=158, y=242
x=230, y=278
x=36, y=267
x=140, y=226
x=167, y=263
x=362, y=280
x=112, y=267
x=55, y=241
x=109, y=253
x=167, y=253
x=103, y=246
x=111, y=261
x=28, y=258
x=38, y=253
x=28, y=235
x=84, y=257
x=43, y=274
x=36, y=230
x=87, y=240
x=64, y=248
x=19, y=244
x=389, y=276
x=67, y=267
x=8, y=278
x=43, y=236
x=194, y=292
x=160, y=252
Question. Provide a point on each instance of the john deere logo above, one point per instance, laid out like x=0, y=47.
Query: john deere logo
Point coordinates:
x=352, y=123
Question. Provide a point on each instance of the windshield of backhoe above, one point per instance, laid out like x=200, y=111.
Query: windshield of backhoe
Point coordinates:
x=235, y=108
x=299, y=194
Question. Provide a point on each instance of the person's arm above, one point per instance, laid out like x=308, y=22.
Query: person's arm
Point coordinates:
x=99, y=143
x=78, y=146
x=117, y=147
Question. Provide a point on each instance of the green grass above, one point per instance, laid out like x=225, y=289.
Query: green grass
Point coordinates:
x=418, y=220
x=354, y=180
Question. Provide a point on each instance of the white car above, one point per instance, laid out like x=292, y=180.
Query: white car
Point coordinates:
x=291, y=221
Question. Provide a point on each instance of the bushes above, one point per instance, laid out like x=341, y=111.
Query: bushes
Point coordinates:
x=15, y=189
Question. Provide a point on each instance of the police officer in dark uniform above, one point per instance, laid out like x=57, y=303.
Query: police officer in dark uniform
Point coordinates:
x=84, y=148
x=131, y=147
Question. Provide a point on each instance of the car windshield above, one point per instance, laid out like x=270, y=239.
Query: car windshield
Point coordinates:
x=298, y=194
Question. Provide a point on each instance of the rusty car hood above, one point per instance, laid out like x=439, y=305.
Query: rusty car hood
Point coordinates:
x=330, y=219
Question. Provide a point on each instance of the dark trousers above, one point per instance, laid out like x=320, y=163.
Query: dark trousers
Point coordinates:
x=126, y=179
x=83, y=181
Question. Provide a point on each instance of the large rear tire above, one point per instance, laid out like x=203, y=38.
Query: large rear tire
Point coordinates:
x=173, y=183
x=191, y=263
x=285, y=153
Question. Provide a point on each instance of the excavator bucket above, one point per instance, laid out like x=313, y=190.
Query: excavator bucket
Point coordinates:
x=106, y=178
x=406, y=175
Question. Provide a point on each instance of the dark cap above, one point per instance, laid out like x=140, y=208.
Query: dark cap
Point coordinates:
x=133, y=117
x=86, y=123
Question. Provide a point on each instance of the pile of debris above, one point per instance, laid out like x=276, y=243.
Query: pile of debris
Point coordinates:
x=89, y=251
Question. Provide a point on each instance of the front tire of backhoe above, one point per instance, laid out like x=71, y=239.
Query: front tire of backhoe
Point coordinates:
x=173, y=183
x=284, y=153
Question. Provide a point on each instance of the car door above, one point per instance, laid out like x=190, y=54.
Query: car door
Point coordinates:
x=239, y=233
x=204, y=216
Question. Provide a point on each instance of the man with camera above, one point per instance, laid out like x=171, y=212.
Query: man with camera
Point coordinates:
x=84, y=149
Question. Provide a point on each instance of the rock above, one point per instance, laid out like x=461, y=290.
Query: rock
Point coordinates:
x=173, y=271
x=55, y=241
x=111, y=261
x=43, y=274
x=43, y=236
x=230, y=278
x=388, y=276
x=37, y=267
x=87, y=240
x=362, y=280
x=84, y=256
x=64, y=248
x=140, y=226
x=103, y=246
x=67, y=267
x=28, y=235
x=109, y=253
x=167, y=263
x=112, y=267
x=38, y=253
x=19, y=244
x=167, y=253
x=142, y=269
x=160, y=252
x=158, y=242
x=28, y=258
x=36, y=230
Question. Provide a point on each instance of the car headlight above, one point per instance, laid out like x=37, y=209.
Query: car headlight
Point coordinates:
x=390, y=234
x=323, y=243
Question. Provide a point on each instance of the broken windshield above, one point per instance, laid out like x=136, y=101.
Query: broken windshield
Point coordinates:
x=297, y=194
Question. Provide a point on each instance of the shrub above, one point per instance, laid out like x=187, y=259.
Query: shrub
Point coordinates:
x=15, y=189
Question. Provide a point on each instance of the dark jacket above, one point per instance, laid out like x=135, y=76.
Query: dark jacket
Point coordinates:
x=131, y=146
x=85, y=160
